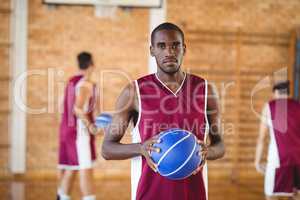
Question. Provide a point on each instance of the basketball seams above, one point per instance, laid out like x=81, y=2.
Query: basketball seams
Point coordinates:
x=191, y=157
x=185, y=162
x=172, y=147
x=103, y=118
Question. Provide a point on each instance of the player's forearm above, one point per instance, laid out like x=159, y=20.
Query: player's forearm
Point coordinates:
x=83, y=116
x=258, y=153
x=117, y=151
x=260, y=144
x=216, y=151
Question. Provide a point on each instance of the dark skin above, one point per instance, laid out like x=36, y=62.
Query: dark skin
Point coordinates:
x=168, y=48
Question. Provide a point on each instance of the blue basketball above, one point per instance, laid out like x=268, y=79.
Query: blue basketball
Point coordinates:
x=178, y=156
x=103, y=120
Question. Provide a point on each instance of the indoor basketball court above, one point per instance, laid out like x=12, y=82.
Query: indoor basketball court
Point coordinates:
x=242, y=48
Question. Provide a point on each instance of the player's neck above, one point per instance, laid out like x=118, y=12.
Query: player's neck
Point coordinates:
x=169, y=78
x=86, y=74
x=281, y=96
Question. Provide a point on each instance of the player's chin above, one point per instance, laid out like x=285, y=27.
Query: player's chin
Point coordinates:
x=171, y=68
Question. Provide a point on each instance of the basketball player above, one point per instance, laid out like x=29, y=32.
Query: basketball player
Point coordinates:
x=280, y=117
x=170, y=98
x=77, y=130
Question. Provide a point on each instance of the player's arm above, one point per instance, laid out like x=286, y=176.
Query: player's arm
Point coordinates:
x=112, y=148
x=82, y=97
x=263, y=129
x=216, y=148
x=97, y=106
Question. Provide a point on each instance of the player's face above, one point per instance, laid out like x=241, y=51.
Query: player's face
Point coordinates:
x=168, y=48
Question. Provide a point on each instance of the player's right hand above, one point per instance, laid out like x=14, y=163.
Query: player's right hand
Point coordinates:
x=203, y=156
x=93, y=129
x=146, y=149
x=261, y=168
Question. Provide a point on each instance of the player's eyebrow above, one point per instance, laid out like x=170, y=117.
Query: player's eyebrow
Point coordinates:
x=176, y=42
x=164, y=43
x=160, y=43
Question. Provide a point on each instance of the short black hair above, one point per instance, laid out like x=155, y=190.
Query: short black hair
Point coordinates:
x=84, y=60
x=166, y=26
x=282, y=87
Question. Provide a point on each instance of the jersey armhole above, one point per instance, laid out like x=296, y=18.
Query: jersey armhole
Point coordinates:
x=139, y=102
x=205, y=113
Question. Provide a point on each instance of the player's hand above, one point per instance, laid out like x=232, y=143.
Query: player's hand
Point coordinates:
x=93, y=129
x=146, y=149
x=260, y=168
x=203, y=155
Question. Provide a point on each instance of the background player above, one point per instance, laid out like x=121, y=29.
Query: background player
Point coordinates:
x=280, y=117
x=77, y=130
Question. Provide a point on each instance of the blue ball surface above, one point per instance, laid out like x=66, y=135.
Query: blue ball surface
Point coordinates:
x=103, y=120
x=178, y=157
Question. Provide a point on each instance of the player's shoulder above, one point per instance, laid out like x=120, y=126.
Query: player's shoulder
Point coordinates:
x=77, y=76
x=127, y=97
x=74, y=79
x=129, y=90
x=293, y=101
x=85, y=83
x=266, y=106
x=270, y=102
x=196, y=80
x=148, y=77
x=85, y=86
x=280, y=101
x=195, y=77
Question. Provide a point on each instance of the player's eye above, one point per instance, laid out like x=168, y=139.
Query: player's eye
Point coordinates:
x=176, y=46
x=161, y=46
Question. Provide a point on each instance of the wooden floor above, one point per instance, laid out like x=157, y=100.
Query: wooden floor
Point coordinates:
x=120, y=190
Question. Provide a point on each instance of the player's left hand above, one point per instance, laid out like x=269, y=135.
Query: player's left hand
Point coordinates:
x=203, y=155
x=261, y=168
x=93, y=129
x=146, y=149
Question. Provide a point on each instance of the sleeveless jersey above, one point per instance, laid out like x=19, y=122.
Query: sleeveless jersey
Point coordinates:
x=161, y=109
x=71, y=132
x=283, y=166
x=285, y=131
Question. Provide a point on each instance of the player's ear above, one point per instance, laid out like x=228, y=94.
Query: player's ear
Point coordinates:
x=151, y=51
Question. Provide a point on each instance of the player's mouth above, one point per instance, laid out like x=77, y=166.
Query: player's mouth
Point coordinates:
x=170, y=60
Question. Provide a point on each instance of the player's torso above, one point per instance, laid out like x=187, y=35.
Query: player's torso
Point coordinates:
x=69, y=120
x=89, y=105
x=162, y=109
x=285, y=115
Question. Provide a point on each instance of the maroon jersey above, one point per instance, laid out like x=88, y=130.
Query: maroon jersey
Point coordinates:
x=73, y=133
x=161, y=109
x=283, y=168
x=285, y=115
